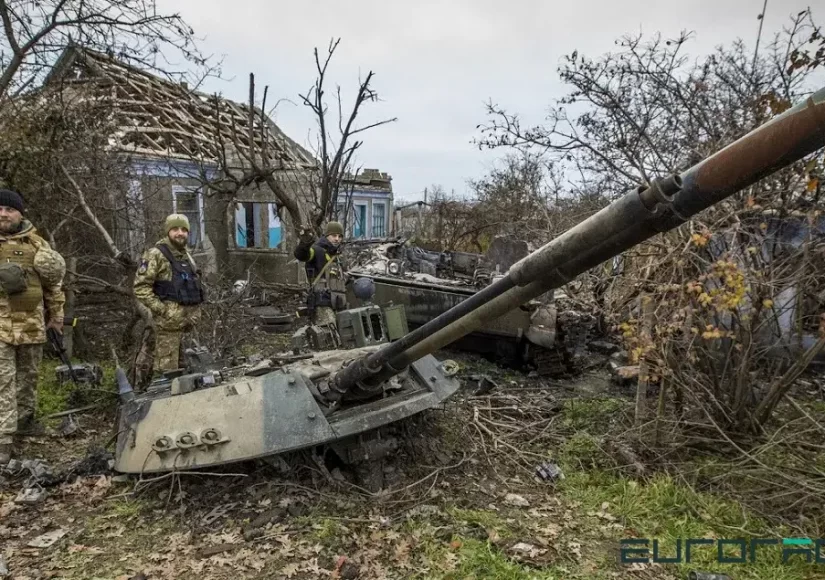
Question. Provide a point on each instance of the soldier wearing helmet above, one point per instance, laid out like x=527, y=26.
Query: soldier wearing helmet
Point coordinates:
x=31, y=300
x=325, y=272
x=169, y=284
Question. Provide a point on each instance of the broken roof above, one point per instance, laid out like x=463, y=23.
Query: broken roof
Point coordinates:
x=158, y=117
x=368, y=180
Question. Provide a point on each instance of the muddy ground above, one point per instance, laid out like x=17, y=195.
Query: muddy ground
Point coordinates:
x=461, y=500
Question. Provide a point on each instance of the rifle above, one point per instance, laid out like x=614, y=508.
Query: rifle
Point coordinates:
x=56, y=340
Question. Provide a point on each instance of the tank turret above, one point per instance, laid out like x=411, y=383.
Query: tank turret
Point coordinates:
x=635, y=217
x=210, y=416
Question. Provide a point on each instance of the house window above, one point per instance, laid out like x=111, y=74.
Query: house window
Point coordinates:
x=275, y=232
x=359, y=222
x=340, y=213
x=379, y=220
x=257, y=225
x=189, y=202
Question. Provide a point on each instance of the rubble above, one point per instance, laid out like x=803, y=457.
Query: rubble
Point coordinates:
x=39, y=472
x=31, y=495
x=48, y=539
x=516, y=500
x=82, y=373
x=603, y=347
x=484, y=384
x=549, y=472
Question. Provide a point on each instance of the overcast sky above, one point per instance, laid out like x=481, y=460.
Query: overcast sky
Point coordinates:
x=437, y=62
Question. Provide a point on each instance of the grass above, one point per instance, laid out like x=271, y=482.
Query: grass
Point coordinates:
x=52, y=397
x=592, y=414
x=667, y=509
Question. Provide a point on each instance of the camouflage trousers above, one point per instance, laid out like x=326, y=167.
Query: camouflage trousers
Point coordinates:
x=167, y=350
x=19, y=367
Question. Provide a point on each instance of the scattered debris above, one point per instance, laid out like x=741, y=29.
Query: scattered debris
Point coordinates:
x=30, y=495
x=484, y=384
x=549, y=472
x=47, y=539
x=39, y=472
x=516, y=500
x=72, y=411
x=210, y=551
x=624, y=375
x=217, y=513
x=272, y=319
x=4, y=568
x=68, y=426
x=81, y=373
x=98, y=461
x=603, y=347
x=262, y=368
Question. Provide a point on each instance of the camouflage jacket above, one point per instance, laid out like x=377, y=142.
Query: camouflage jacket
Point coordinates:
x=169, y=316
x=29, y=327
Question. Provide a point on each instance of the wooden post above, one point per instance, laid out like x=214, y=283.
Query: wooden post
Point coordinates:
x=69, y=307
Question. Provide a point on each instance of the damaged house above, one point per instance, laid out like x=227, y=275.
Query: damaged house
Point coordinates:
x=174, y=138
x=366, y=205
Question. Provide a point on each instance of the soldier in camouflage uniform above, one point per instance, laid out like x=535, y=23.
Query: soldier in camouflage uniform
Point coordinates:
x=31, y=292
x=325, y=273
x=168, y=284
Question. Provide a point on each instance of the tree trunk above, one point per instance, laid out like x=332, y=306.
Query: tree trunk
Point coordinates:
x=69, y=307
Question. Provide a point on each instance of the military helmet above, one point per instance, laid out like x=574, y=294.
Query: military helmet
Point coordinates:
x=363, y=288
x=50, y=266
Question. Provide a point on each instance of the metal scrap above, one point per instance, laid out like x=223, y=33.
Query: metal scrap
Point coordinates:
x=217, y=513
x=47, y=539
x=549, y=472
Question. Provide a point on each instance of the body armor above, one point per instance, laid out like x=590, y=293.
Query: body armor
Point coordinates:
x=185, y=286
x=21, y=252
x=328, y=287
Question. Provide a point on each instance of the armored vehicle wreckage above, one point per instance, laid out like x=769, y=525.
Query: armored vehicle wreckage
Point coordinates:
x=209, y=416
x=542, y=333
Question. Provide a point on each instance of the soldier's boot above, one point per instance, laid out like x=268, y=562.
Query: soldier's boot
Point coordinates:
x=5, y=454
x=30, y=427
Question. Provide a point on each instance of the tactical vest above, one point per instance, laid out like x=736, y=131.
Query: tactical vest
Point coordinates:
x=328, y=286
x=21, y=252
x=185, y=287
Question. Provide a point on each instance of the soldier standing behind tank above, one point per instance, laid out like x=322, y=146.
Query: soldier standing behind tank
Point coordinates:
x=31, y=292
x=169, y=285
x=325, y=273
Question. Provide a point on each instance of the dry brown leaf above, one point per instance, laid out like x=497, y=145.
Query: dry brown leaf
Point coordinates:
x=402, y=553
x=289, y=570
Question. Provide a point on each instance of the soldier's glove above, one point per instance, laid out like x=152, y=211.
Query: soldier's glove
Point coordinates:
x=306, y=237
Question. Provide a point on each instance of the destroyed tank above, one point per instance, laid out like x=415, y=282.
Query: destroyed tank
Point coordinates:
x=538, y=333
x=209, y=416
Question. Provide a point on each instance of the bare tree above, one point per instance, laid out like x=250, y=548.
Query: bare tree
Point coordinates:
x=57, y=138
x=725, y=285
x=37, y=31
x=257, y=153
x=336, y=157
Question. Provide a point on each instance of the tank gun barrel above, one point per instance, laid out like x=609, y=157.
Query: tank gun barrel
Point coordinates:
x=637, y=216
